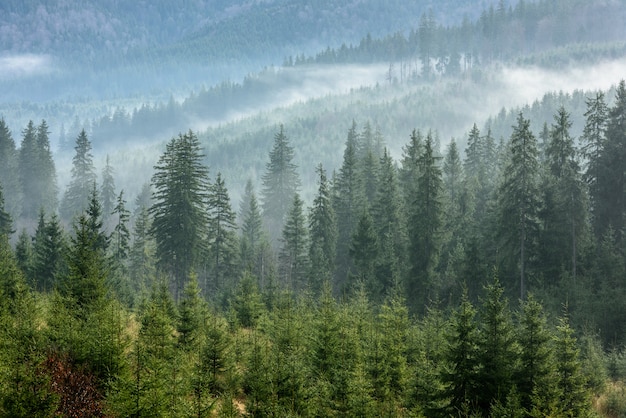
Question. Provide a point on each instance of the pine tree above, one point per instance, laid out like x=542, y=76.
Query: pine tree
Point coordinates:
x=180, y=185
x=424, y=229
x=223, y=245
x=83, y=180
x=293, y=258
x=280, y=183
x=518, y=201
x=323, y=234
x=9, y=174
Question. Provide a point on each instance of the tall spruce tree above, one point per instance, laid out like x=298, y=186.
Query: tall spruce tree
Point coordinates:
x=83, y=179
x=519, y=202
x=348, y=204
x=280, y=183
x=564, y=211
x=610, y=205
x=389, y=222
x=424, y=229
x=593, y=142
x=180, y=184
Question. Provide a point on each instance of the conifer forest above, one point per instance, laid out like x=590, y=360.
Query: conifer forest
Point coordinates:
x=421, y=212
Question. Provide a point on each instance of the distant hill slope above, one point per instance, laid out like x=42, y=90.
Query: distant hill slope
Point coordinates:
x=114, y=31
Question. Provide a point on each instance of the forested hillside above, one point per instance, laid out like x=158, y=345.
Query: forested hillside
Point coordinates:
x=420, y=213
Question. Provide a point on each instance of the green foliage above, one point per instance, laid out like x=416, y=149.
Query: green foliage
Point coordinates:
x=223, y=247
x=280, y=184
x=83, y=180
x=179, y=217
x=519, y=204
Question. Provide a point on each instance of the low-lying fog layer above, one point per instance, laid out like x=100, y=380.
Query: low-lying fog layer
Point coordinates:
x=24, y=65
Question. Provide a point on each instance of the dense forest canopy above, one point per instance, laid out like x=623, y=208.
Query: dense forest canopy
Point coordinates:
x=406, y=218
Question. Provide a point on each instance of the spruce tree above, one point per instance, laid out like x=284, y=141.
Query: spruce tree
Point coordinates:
x=364, y=254
x=107, y=192
x=322, y=234
x=83, y=179
x=48, y=253
x=348, y=205
x=424, y=228
x=593, y=142
x=293, y=257
x=536, y=377
x=610, y=205
x=121, y=234
x=142, y=254
x=519, y=203
x=498, y=349
x=9, y=174
x=253, y=236
x=180, y=184
x=564, y=212
x=389, y=222
x=461, y=375
x=6, y=222
x=223, y=246
x=280, y=183
x=574, y=399
x=36, y=171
